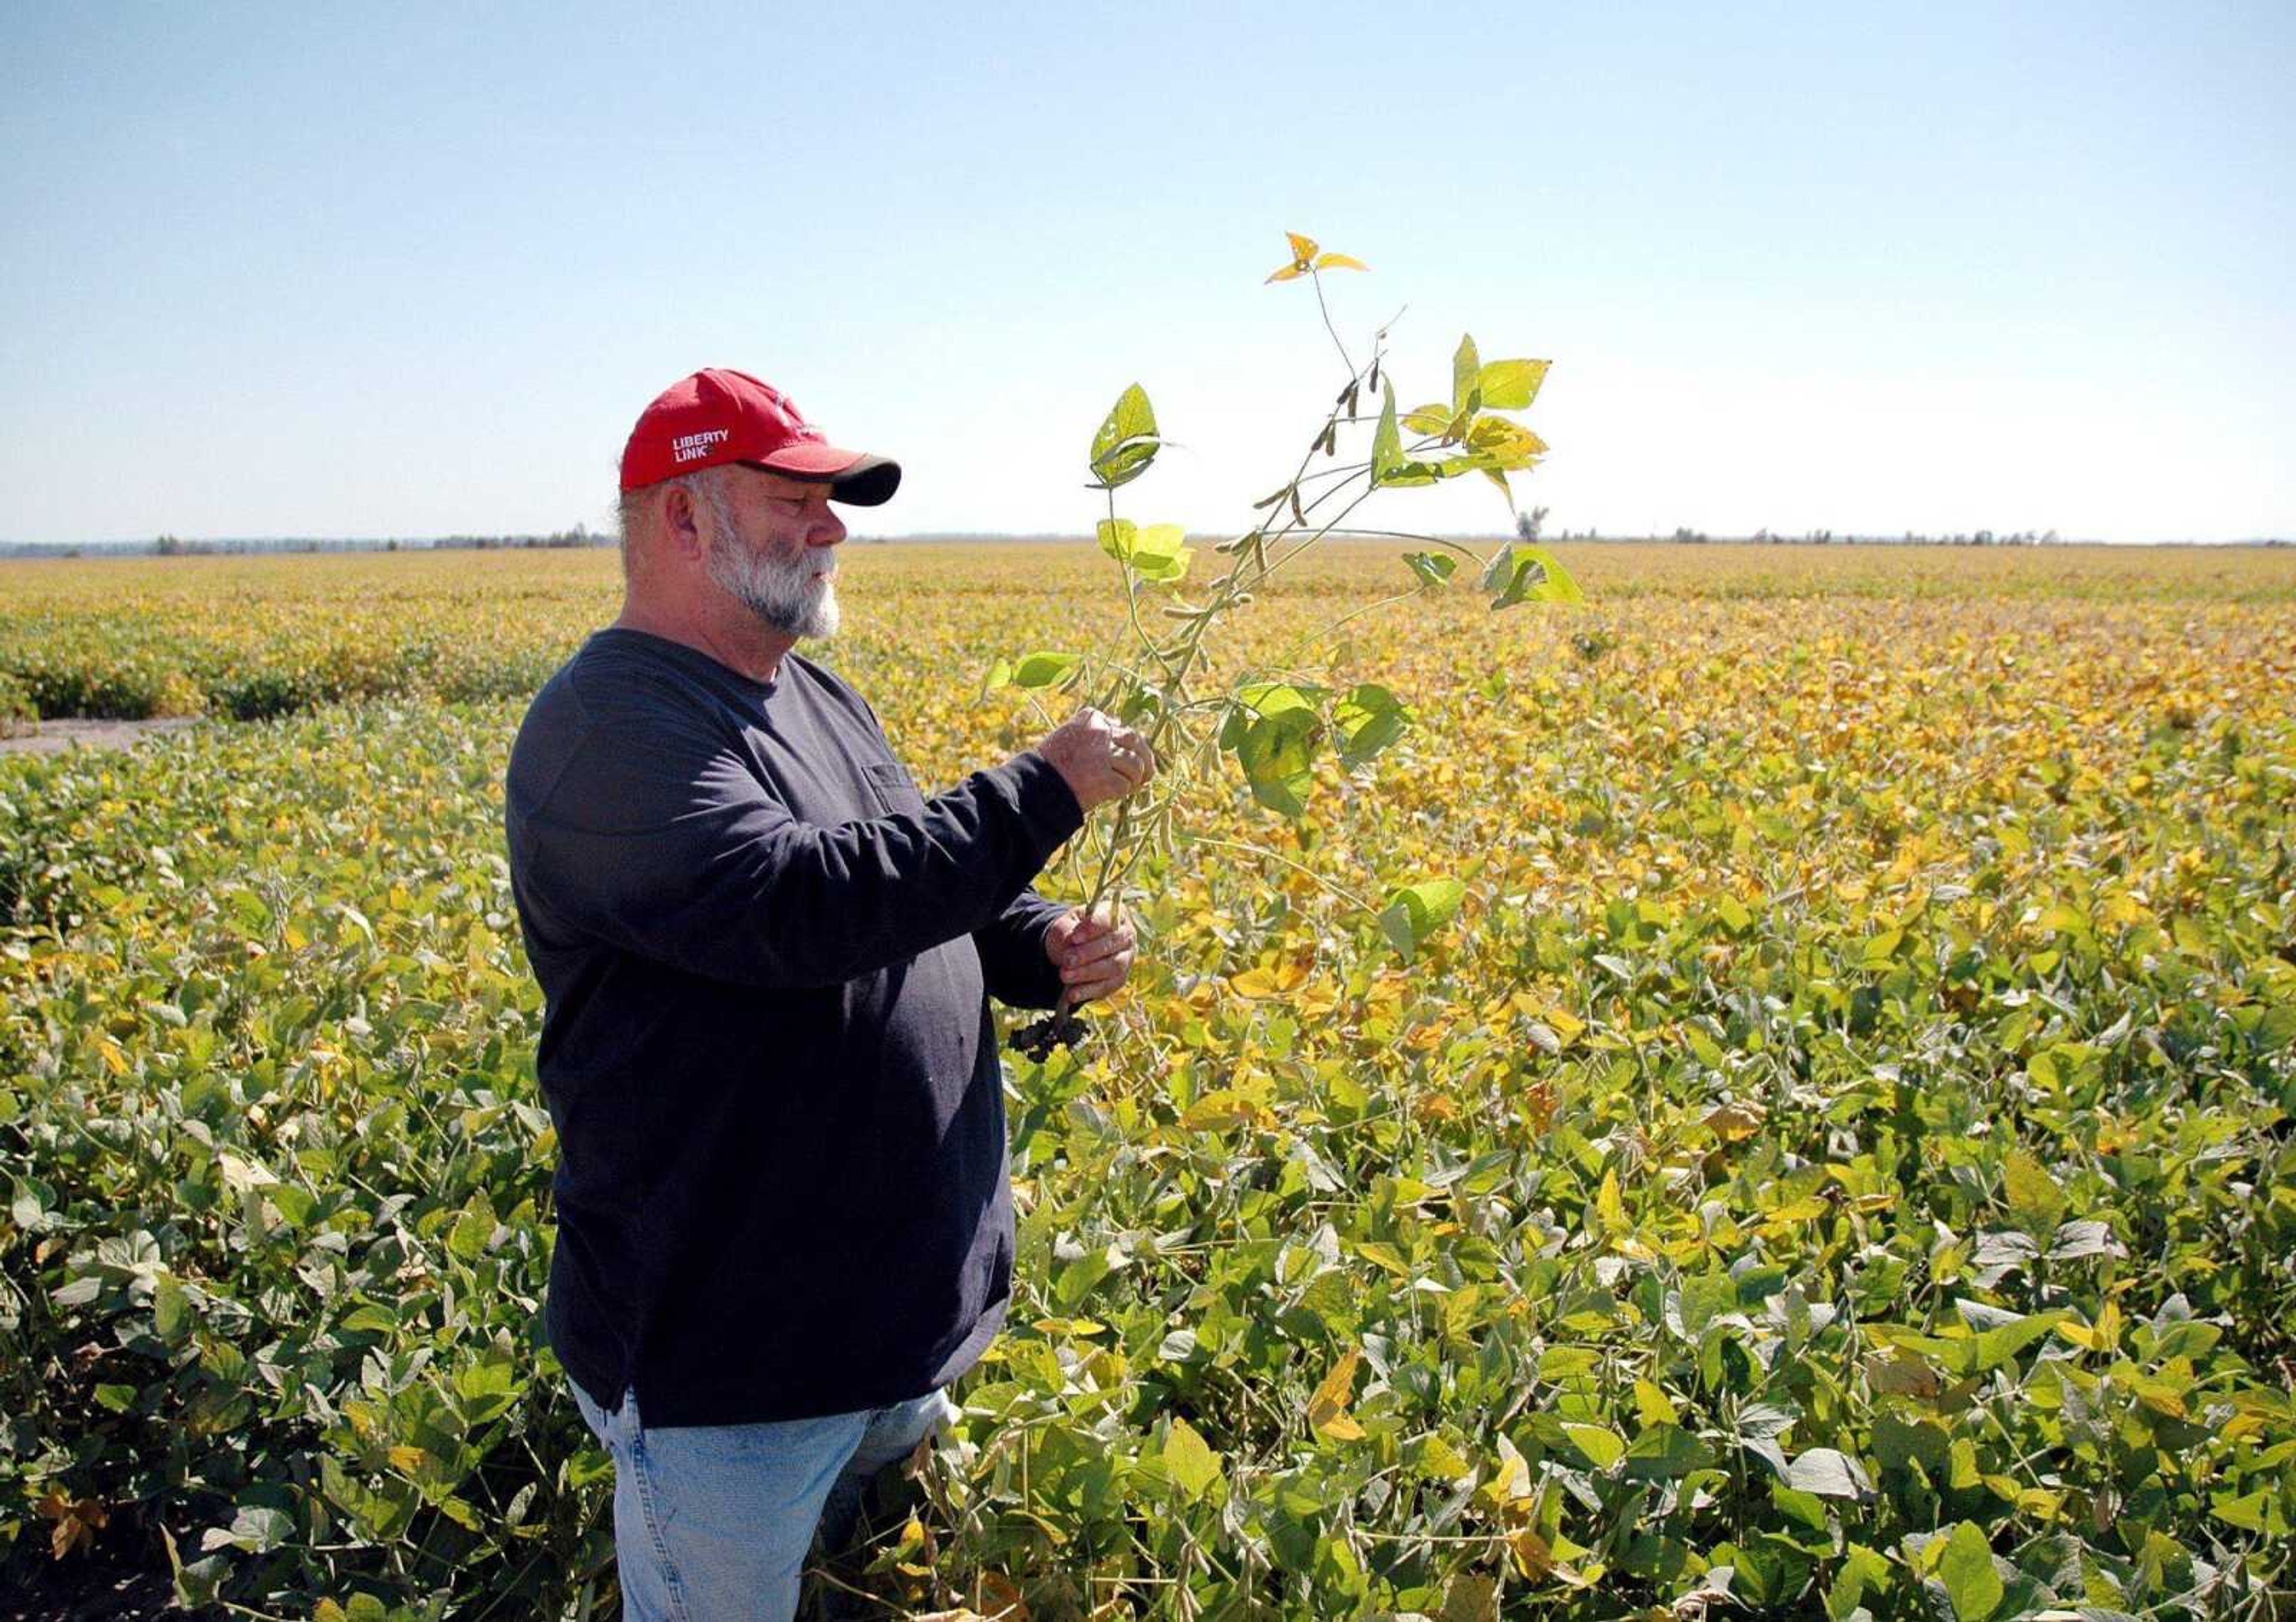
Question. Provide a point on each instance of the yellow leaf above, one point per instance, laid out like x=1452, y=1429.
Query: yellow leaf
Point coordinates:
x=408, y=1459
x=1731, y=1122
x=1609, y=1209
x=1533, y=1556
x=1327, y=1410
x=1338, y=261
x=1285, y=274
x=1270, y=979
x=1068, y=1326
x=1303, y=248
x=1654, y=1405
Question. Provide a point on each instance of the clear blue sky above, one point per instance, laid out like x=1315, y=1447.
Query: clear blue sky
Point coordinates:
x=413, y=270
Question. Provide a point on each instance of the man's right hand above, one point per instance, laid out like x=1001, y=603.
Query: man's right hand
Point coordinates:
x=1099, y=759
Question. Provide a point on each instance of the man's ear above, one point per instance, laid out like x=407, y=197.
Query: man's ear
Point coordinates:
x=680, y=522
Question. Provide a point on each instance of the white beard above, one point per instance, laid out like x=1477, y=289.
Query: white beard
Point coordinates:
x=794, y=595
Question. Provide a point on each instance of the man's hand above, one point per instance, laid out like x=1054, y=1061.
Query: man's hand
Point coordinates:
x=1093, y=954
x=1099, y=760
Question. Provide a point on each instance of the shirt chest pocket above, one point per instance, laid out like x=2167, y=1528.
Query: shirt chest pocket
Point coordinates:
x=891, y=786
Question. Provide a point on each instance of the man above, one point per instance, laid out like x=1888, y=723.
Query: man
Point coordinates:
x=783, y=1219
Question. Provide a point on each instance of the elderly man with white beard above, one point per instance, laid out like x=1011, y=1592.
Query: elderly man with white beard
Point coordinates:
x=783, y=1221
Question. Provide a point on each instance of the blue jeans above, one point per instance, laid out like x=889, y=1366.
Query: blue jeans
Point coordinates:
x=712, y=1522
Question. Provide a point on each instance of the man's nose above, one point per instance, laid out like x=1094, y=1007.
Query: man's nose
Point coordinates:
x=828, y=530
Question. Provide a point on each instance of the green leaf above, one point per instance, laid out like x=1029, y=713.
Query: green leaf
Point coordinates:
x=2034, y=1197
x=259, y=1530
x=1387, y=439
x=1277, y=753
x=1863, y=1571
x=1666, y=1453
x=1466, y=378
x=1116, y=538
x=1603, y=1446
x=1189, y=1460
x=1828, y=1474
x=2256, y=1511
x=1967, y=1572
x=1511, y=385
x=1795, y=1505
x=1523, y=573
x=1369, y=719
x=467, y=1239
x=171, y=1311
x=1990, y=1349
x=1430, y=420
x=1158, y=553
x=1044, y=669
x=1432, y=568
x=1417, y=912
x=1126, y=441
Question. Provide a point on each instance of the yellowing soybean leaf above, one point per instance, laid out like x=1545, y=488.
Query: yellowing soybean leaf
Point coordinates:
x=1603, y=1446
x=2032, y=1193
x=1189, y=1460
x=1511, y=385
x=1653, y=1406
x=1327, y=1409
x=1966, y=1569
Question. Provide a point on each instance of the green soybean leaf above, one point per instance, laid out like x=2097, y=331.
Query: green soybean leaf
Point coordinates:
x=2033, y=1195
x=1116, y=538
x=1158, y=553
x=1466, y=378
x=1511, y=385
x=1666, y=1453
x=1417, y=912
x=1387, y=439
x=1275, y=698
x=1990, y=1349
x=1369, y=720
x=1432, y=568
x=1126, y=441
x=1522, y=574
x=1044, y=669
x=1603, y=1446
x=1864, y=1572
x=2257, y=1511
x=1826, y=1473
x=1967, y=1572
x=259, y=1530
x=171, y=1311
x=1277, y=754
x=1190, y=1461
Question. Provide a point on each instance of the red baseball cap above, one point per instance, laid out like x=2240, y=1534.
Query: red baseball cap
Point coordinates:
x=717, y=416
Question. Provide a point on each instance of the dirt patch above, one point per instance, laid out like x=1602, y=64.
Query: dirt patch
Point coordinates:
x=55, y=736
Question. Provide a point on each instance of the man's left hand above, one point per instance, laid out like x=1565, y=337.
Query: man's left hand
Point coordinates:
x=1093, y=954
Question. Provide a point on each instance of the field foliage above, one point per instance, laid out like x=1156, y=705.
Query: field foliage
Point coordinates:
x=1839, y=1156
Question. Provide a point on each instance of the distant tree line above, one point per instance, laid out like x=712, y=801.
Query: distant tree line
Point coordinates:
x=175, y=546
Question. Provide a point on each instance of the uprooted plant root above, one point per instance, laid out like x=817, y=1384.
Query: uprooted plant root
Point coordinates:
x=1039, y=1037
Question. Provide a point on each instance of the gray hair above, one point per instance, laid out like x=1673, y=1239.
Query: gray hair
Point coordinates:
x=706, y=486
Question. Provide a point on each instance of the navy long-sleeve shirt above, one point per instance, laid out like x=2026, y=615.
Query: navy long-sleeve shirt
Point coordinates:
x=768, y=1048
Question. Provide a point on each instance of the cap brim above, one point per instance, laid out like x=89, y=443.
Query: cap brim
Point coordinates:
x=855, y=477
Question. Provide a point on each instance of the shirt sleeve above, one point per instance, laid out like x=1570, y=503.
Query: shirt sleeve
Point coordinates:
x=1012, y=947
x=660, y=840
